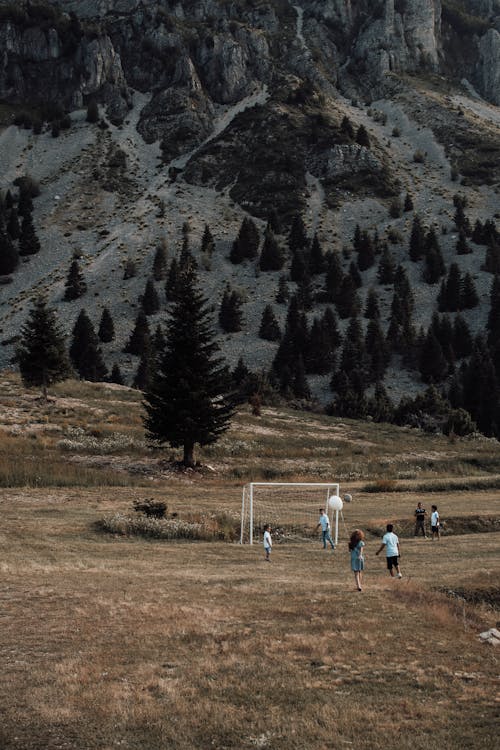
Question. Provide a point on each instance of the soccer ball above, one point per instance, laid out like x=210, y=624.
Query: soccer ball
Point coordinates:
x=335, y=503
x=347, y=498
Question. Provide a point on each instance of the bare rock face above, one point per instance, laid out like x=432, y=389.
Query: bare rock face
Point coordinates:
x=489, y=65
x=180, y=117
x=344, y=159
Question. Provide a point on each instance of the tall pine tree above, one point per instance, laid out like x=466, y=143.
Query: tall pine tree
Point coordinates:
x=188, y=402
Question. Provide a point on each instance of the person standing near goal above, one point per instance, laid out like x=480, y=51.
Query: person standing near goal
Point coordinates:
x=324, y=522
x=392, y=552
x=268, y=542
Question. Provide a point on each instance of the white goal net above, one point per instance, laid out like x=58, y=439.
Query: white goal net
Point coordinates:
x=291, y=508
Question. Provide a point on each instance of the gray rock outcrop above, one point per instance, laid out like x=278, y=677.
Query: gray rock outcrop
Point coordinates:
x=489, y=65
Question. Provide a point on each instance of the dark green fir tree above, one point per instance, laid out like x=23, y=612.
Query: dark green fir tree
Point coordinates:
x=269, y=327
x=106, y=330
x=84, y=350
x=41, y=353
x=188, y=402
x=75, y=283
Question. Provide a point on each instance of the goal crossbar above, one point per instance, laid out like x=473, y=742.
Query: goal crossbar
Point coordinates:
x=247, y=500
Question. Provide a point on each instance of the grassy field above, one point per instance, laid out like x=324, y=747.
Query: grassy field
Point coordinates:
x=114, y=641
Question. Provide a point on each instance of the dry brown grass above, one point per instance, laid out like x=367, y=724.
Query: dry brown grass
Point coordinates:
x=124, y=642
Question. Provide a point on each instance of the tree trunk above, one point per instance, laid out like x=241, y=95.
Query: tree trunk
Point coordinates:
x=188, y=459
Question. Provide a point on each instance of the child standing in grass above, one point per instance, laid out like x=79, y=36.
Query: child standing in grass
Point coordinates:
x=268, y=542
x=391, y=543
x=435, y=523
x=356, y=544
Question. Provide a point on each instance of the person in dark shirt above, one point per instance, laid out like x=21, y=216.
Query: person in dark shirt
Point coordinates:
x=420, y=514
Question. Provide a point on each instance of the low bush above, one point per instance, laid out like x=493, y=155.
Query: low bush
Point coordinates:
x=196, y=527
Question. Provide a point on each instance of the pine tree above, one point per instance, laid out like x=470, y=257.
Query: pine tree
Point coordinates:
x=274, y=223
x=116, y=375
x=188, y=401
x=492, y=259
x=347, y=301
x=230, y=312
x=481, y=394
x=9, y=257
x=380, y=406
x=305, y=291
x=469, y=297
x=346, y=128
x=317, y=259
x=462, y=339
x=408, y=204
x=355, y=275
x=271, y=256
x=366, y=252
x=462, y=248
x=145, y=370
x=377, y=351
x=450, y=295
x=41, y=353
x=297, y=239
x=75, y=283
x=372, y=310
x=493, y=324
x=207, y=241
x=13, y=228
x=25, y=203
x=434, y=264
x=298, y=266
x=150, y=301
x=362, y=137
x=269, y=328
x=84, y=350
x=353, y=357
x=160, y=263
x=334, y=276
x=320, y=353
x=140, y=337
x=282, y=293
x=29, y=244
x=417, y=240
x=433, y=364
x=300, y=386
x=293, y=341
x=106, y=331
x=171, y=282
x=246, y=244
x=386, y=267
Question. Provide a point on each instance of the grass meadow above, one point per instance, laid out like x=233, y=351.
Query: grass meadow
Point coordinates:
x=114, y=641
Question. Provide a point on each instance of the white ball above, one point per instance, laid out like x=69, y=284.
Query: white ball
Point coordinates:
x=335, y=503
x=347, y=498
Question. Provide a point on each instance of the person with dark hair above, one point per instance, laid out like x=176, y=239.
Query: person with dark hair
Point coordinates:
x=268, y=542
x=356, y=544
x=392, y=552
x=435, y=526
x=420, y=514
x=324, y=522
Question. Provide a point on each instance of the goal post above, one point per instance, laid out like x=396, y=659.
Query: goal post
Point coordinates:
x=291, y=508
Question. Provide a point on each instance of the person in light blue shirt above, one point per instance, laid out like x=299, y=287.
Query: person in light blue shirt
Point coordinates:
x=324, y=522
x=392, y=552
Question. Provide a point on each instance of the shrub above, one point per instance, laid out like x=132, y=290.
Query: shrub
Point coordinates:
x=382, y=485
x=150, y=508
x=210, y=527
x=419, y=157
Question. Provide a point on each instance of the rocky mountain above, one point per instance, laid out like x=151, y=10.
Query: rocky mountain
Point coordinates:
x=215, y=110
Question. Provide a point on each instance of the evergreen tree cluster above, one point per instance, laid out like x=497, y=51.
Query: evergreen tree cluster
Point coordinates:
x=18, y=237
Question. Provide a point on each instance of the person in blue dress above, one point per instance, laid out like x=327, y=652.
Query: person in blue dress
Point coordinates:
x=356, y=545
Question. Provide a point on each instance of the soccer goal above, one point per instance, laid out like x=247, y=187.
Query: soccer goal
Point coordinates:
x=291, y=508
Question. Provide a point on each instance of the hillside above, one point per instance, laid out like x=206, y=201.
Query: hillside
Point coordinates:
x=237, y=110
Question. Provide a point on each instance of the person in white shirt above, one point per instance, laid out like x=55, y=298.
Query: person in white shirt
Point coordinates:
x=392, y=552
x=268, y=542
x=324, y=522
x=435, y=527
